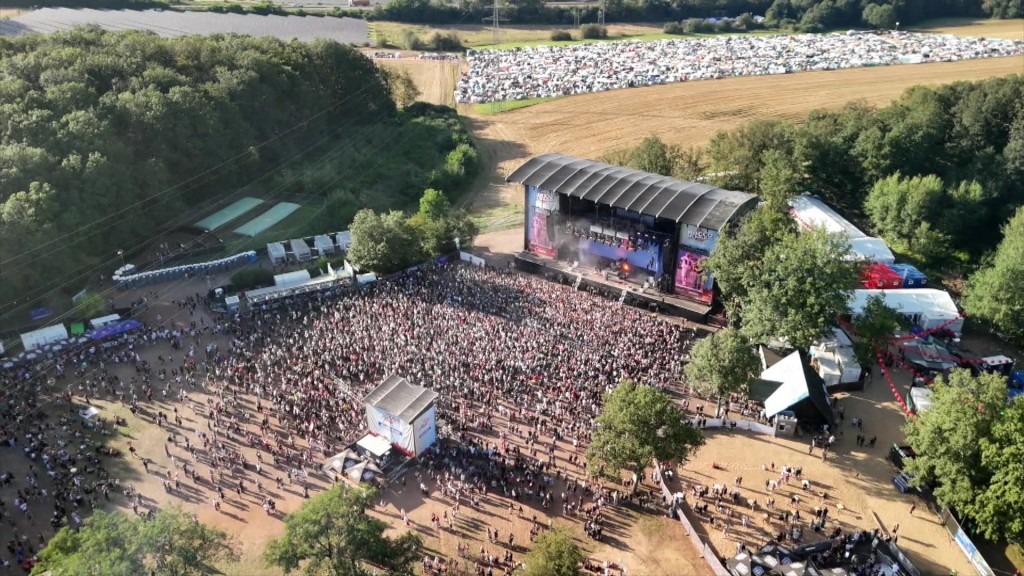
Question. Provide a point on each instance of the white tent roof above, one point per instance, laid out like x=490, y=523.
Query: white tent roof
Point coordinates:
x=344, y=239
x=929, y=302
x=299, y=248
x=323, y=244
x=36, y=338
x=872, y=250
x=922, y=398
x=375, y=445
x=276, y=251
x=812, y=212
x=291, y=278
x=401, y=397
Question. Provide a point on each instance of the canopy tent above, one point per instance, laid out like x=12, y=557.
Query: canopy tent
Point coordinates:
x=323, y=245
x=374, y=445
x=912, y=277
x=344, y=240
x=103, y=321
x=111, y=330
x=801, y=390
x=870, y=249
x=41, y=337
x=278, y=255
x=920, y=399
x=928, y=356
x=300, y=249
x=926, y=307
x=291, y=278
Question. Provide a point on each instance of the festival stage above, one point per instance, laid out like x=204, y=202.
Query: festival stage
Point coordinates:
x=635, y=293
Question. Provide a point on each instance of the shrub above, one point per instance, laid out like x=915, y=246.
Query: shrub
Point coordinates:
x=249, y=278
x=560, y=36
x=410, y=41
x=593, y=32
x=674, y=28
x=724, y=26
x=696, y=25
x=449, y=42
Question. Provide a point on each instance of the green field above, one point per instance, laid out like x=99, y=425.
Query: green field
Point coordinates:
x=499, y=107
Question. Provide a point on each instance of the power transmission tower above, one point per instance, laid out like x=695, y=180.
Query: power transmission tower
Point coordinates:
x=600, y=14
x=499, y=106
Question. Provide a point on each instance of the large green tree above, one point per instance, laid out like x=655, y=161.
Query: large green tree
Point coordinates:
x=738, y=258
x=172, y=543
x=441, y=228
x=332, y=535
x=638, y=424
x=898, y=207
x=803, y=285
x=874, y=327
x=994, y=293
x=555, y=553
x=968, y=448
x=384, y=243
x=722, y=363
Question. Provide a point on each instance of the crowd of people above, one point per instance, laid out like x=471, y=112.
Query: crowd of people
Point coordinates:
x=269, y=395
x=546, y=72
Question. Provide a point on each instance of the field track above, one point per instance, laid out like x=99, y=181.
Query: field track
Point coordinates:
x=689, y=113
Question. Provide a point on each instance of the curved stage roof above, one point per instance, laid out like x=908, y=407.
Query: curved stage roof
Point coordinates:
x=649, y=194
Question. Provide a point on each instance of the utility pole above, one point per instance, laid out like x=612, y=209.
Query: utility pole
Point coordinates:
x=499, y=106
x=600, y=14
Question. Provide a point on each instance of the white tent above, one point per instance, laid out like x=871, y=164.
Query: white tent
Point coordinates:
x=291, y=278
x=920, y=399
x=300, y=249
x=926, y=307
x=278, y=255
x=344, y=240
x=43, y=336
x=835, y=360
x=104, y=320
x=811, y=212
x=323, y=245
x=403, y=414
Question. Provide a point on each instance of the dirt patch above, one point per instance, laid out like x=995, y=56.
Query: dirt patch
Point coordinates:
x=436, y=79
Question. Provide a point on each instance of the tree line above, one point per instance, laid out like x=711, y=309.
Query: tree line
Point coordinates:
x=938, y=174
x=109, y=138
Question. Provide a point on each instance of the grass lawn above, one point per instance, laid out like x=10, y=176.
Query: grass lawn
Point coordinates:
x=499, y=107
x=294, y=226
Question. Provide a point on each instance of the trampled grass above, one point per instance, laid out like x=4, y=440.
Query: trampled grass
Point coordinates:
x=499, y=107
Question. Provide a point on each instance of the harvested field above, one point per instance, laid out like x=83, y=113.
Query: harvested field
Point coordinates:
x=435, y=78
x=476, y=35
x=1005, y=29
x=690, y=113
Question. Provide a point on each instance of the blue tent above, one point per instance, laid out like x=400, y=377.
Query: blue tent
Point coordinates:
x=912, y=277
x=111, y=330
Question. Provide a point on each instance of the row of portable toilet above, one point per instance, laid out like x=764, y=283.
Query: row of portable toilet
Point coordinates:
x=882, y=276
x=189, y=270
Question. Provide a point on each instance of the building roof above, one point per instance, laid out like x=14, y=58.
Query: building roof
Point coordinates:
x=927, y=301
x=642, y=192
x=401, y=397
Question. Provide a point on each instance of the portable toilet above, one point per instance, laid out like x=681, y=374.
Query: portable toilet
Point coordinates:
x=911, y=276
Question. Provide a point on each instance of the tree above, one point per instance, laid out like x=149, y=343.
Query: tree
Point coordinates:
x=637, y=425
x=805, y=283
x=721, y=364
x=434, y=205
x=779, y=180
x=898, y=206
x=968, y=452
x=384, y=243
x=441, y=229
x=994, y=292
x=880, y=16
x=736, y=261
x=403, y=87
x=172, y=543
x=89, y=306
x=654, y=156
x=874, y=327
x=555, y=553
x=332, y=535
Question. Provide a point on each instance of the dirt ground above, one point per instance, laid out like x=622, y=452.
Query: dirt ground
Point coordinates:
x=689, y=113
x=435, y=78
x=1008, y=29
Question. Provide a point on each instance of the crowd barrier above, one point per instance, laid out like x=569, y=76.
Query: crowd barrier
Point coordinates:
x=125, y=277
x=705, y=549
x=740, y=425
x=474, y=260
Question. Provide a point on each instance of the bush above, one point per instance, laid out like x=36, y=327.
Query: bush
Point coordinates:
x=410, y=41
x=560, y=36
x=724, y=26
x=696, y=26
x=593, y=32
x=250, y=278
x=449, y=42
x=673, y=28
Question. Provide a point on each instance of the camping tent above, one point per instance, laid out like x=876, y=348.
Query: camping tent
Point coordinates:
x=36, y=338
x=926, y=307
x=402, y=413
x=801, y=390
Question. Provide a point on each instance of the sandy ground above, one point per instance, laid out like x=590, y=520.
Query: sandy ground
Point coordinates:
x=690, y=113
x=1008, y=29
x=435, y=78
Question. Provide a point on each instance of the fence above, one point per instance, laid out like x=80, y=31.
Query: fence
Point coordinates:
x=706, y=551
x=124, y=279
x=965, y=544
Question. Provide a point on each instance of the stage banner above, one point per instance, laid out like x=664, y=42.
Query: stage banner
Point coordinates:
x=426, y=430
x=390, y=427
x=702, y=240
x=690, y=281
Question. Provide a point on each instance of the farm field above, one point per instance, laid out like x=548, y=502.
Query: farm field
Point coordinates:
x=689, y=113
x=435, y=78
x=478, y=36
x=1005, y=29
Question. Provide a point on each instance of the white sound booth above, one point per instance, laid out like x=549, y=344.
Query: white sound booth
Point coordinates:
x=403, y=414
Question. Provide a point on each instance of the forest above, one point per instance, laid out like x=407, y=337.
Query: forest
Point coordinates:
x=938, y=174
x=108, y=138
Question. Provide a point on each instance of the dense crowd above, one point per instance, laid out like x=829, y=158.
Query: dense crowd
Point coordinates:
x=285, y=383
x=545, y=72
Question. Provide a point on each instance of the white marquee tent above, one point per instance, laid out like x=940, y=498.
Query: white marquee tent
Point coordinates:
x=43, y=336
x=300, y=249
x=278, y=255
x=926, y=307
x=403, y=414
x=811, y=212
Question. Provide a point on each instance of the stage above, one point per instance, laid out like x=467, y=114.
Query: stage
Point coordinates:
x=584, y=277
